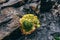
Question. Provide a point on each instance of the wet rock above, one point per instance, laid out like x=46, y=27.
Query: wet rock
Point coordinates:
x=10, y=22
x=55, y=35
x=49, y=18
x=46, y=6
x=5, y=20
x=58, y=1
x=2, y=1
x=35, y=6
x=59, y=9
x=10, y=11
x=6, y=29
x=30, y=8
x=11, y=2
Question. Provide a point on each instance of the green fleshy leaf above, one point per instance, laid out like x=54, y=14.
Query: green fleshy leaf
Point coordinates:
x=27, y=25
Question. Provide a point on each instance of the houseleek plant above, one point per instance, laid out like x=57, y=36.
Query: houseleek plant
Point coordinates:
x=29, y=23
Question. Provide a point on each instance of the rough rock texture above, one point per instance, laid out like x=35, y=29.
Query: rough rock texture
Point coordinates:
x=8, y=22
x=2, y=1
x=47, y=11
x=10, y=2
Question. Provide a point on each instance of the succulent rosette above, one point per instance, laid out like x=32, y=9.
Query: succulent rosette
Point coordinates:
x=29, y=23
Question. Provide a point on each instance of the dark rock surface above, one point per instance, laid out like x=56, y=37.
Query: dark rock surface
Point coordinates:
x=47, y=11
